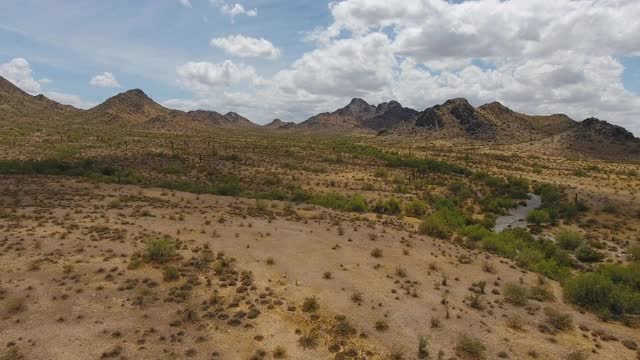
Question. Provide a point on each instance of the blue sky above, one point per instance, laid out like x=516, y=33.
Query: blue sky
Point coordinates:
x=292, y=59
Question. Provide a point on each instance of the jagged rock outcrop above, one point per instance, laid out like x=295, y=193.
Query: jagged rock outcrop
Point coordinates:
x=360, y=115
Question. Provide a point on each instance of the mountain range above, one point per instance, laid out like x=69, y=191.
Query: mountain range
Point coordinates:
x=454, y=119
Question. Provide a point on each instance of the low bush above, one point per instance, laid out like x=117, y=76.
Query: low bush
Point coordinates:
x=559, y=320
x=611, y=291
x=538, y=217
x=515, y=294
x=311, y=304
x=569, y=240
x=389, y=207
x=470, y=348
x=442, y=223
x=416, y=208
x=586, y=253
x=160, y=249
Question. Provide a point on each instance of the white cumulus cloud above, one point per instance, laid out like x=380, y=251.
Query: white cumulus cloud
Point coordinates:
x=106, y=80
x=19, y=72
x=234, y=9
x=204, y=76
x=535, y=56
x=243, y=46
x=185, y=3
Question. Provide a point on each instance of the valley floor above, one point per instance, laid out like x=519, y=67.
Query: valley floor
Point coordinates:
x=74, y=287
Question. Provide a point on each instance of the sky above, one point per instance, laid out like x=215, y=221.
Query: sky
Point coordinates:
x=291, y=59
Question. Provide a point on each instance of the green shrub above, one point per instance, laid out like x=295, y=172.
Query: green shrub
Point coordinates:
x=587, y=254
x=476, y=232
x=613, y=290
x=470, y=348
x=311, y=304
x=416, y=208
x=170, y=273
x=340, y=202
x=515, y=294
x=442, y=223
x=389, y=207
x=357, y=204
x=538, y=217
x=161, y=249
x=569, y=240
x=435, y=227
x=496, y=205
x=559, y=320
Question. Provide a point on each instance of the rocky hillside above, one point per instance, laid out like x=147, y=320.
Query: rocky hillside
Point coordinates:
x=132, y=108
x=593, y=138
x=359, y=114
x=17, y=105
x=456, y=118
x=278, y=124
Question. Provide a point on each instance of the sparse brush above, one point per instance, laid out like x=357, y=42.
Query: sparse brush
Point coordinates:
x=470, y=348
x=309, y=341
x=170, y=273
x=515, y=294
x=161, y=249
x=311, y=304
x=279, y=352
x=15, y=305
x=381, y=325
x=559, y=320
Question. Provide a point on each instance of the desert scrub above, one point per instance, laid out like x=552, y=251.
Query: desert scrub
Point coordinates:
x=160, y=249
x=539, y=255
x=388, y=207
x=381, y=325
x=470, y=348
x=569, y=240
x=336, y=201
x=309, y=341
x=538, y=217
x=416, y=208
x=311, y=304
x=442, y=223
x=15, y=305
x=613, y=290
x=170, y=273
x=279, y=352
x=559, y=320
x=515, y=294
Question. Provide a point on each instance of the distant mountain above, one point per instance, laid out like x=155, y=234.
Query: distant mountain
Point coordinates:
x=132, y=107
x=215, y=119
x=593, y=138
x=279, y=124
x=358, y=114
x=135, y=108
x=17, y=105
x=456, y=118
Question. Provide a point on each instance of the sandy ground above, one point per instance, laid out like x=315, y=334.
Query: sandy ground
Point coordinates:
x=97, y=307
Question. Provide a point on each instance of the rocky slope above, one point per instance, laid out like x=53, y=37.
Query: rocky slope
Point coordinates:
x=359, y=114
x=17, y=105
x=278, y=124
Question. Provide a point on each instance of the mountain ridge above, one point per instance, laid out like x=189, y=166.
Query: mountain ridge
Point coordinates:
x=454, y=119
